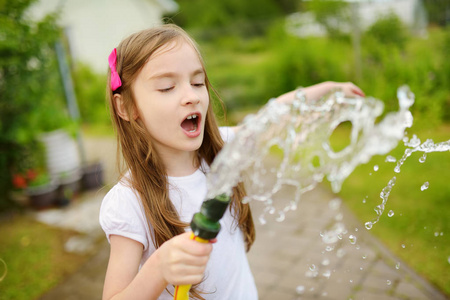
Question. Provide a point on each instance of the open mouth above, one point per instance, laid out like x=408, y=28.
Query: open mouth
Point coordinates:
x=190, y=124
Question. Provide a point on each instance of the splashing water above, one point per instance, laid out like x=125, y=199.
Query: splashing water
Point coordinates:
x=301, y=131
x=414, y=145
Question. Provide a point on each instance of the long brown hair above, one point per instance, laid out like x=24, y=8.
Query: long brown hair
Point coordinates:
x=148, y=174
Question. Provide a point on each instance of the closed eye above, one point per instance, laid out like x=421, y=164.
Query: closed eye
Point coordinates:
x=198, y=84
x=166, y=89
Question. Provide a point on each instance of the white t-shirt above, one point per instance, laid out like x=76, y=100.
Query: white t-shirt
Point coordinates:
x=227, y=274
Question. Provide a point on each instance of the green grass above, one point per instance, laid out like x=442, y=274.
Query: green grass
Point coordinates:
x=34, y=256
x=421, y=218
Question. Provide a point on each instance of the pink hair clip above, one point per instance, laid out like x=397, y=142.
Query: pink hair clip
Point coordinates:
x=115, y=78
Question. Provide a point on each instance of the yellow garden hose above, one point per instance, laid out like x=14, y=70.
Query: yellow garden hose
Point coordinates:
x=182, y=291
x=205, y=227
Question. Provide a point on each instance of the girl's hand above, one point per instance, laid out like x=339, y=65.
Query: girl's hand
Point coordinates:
x=182, y=260
x=319, y=90
x=348, y=88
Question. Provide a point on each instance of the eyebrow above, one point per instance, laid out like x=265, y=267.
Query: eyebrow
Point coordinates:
x=173, y=74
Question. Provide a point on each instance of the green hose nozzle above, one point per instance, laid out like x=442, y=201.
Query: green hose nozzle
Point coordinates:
x=205, y=224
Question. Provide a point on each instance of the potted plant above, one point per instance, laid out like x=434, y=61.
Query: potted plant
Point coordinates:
x=92, y=176
x=42, y=191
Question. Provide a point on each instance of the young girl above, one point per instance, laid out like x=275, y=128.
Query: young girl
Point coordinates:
x=161, y=107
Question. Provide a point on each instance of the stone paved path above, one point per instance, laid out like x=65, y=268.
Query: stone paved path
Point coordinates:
x=299, y=258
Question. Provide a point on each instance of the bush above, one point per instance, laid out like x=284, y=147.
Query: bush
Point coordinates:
x=32, y=98
x=90, y=89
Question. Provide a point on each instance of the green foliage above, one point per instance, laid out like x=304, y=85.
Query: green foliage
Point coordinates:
x=216, y=18
x=90, y=89
x=32, y=98
x=388, y=30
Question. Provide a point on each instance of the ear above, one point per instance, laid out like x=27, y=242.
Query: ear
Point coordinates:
x=120, y=107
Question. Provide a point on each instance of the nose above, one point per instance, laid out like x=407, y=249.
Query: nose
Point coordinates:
x=190, y=96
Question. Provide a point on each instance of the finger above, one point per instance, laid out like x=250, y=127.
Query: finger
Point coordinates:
x=197, y=249
x=356, y=90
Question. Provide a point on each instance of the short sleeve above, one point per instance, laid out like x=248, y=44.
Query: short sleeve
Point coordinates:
x=226, y=133
x=121, y=214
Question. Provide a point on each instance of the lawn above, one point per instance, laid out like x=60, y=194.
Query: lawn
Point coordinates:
x=34, y=256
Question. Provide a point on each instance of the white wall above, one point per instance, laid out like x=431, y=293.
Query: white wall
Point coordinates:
x=95, y=27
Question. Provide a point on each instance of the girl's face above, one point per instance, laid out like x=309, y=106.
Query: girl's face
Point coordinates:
x=172, y=98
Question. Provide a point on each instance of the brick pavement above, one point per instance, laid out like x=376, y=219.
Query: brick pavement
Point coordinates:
x=301, y=258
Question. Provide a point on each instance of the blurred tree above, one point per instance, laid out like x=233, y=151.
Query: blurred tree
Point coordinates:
x=31, y=96
x=438, y=11
x=231, y=16
x=333, y=15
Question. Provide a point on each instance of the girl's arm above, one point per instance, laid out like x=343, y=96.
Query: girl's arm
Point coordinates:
x=178, y=261
x=319, y=90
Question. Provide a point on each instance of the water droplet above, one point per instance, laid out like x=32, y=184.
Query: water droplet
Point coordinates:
x=352, y=239
x=375, y=168
x=388, y=282
x=326, y=274
x=441, y=234
x=390, y=213
x=390, y=158
x=413, y=142
x=300, y=289
x=311, y=274
x=364, y=256
x=424, y=186
x=325, y=262
x=312, y=267
x=397, y=169
x=403, y=246
x=281, y=216
x=262, y=220
x=329, y=248
x=361, y=268
x=351, y=280
x=368, y=225
x=423, y=158
x=340, y=253
x=364, y=201
x=436, y=234
x=397, y=265
x=335, y=204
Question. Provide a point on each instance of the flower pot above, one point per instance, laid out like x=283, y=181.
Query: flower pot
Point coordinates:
x=62, y=154
x=92, y=176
